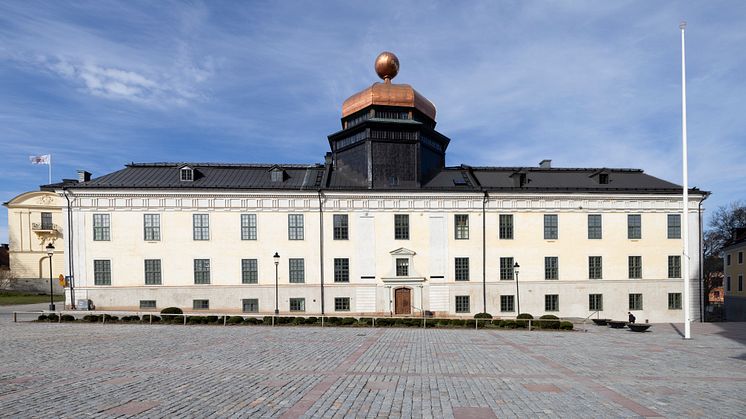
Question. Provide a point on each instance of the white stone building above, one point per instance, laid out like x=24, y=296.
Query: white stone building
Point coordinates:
x=383, y=227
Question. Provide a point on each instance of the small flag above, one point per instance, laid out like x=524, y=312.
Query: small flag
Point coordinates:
x=43, y=159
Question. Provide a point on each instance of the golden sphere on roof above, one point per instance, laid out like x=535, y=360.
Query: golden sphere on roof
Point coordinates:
x=387, y=65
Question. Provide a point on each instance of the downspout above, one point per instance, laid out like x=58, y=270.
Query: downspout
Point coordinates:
x=701, y=261
x=71, y=269
x=321, y=247
x=484, y=252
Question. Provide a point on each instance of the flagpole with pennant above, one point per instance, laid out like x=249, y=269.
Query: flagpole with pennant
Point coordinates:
x=685, y=194
x=43, y=159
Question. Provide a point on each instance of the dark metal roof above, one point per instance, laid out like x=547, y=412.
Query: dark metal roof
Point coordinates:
x=317, y=176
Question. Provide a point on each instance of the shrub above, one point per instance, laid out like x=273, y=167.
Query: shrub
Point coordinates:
x=253, y=320
x=483, y=316
x=68, y=318
x=470, y=323
x=267, y=320
x=92, y=318
x=212, y=319
x=457, y=322
x=299, y=320
x=509, y=324
x=196, y=320
x=384, y=322
x=549, y=322
x=347, y=321
x=312, y=320
x=235, y=320
x=53, y=317
x=498, y=323
x=42, y=318
x=172, y=310
x=332, y=321
x=521, y=320
x=109, y=318
x=565, y=325
x=128, y=319
x=155, y=319
x=364, y=321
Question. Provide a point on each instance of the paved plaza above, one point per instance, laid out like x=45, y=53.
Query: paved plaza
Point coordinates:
x=77, y=370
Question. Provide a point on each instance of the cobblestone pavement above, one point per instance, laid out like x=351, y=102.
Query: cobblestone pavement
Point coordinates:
x=76, y=370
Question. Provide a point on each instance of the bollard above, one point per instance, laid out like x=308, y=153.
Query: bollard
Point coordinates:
x=322, y=321
x=103, y=319
x=424, y=322
x=225, y=319
x=374, y=322
x=15, y=317
x=151, y=318
x=184, y=315
x=529, y=325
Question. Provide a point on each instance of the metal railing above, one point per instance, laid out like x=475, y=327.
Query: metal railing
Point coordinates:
x=45, y=227
x=147, y=317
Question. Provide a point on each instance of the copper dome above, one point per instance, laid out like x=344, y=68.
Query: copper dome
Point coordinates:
x=387, y=93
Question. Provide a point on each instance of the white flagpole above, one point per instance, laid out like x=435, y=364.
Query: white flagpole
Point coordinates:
x=685, y=209
x=50, y=169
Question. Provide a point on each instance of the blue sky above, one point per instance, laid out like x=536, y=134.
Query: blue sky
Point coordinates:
x=584, y=83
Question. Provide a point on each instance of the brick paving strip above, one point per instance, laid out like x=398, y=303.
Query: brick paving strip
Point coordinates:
x=307, y=401
x=589, y=383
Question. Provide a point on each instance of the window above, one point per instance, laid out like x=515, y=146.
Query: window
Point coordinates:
x=595, y=270
x=727, y=283
x=506, y=226
x=674, y=266
x=740, y=282
x=187, y=175
x=635, y=301
x=46, y=221
x=152, y=227
x=551, y=302
x=462, y=304
x=250, y=305
x=200, y=304
x=147, y=303
x=634, y=226
x=248, y=226
x=297, y=269
x=674, y=226
x=603, y=178
x=461, y=224
x=401, y=227
x=249, y=271
x=594, y=226
x=551, y=267
x=341, y=270
x=341, y=229
x=342, y=304
x=595, y=302
x=506, y=269
x=297, y=304
x=295, y=226
x=402, y=267
x=462, y=269
x=635, y=267
x=152, y=272
x=507, y=303
x=674, y=301
x=101, y=227
x=102, y=272
x=550, y=227
x=201, y=271
x=740, y=258
x=201, y=226
x=727, y=259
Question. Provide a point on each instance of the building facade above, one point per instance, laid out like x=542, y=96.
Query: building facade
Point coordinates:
x=34, y=221
x=734, y=300
x=383, y=227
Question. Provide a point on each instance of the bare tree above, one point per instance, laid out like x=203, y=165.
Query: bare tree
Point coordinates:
x=7, y=279
x=723, y=221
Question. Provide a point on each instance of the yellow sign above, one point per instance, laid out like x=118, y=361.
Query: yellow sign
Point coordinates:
x=62, y=280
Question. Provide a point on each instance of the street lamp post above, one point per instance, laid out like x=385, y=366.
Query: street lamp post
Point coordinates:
x=277, y=264
x=50, y=253
x=517, y=292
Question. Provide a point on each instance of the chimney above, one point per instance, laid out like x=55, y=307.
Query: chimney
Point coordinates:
x=83, y=176
x=545, y=164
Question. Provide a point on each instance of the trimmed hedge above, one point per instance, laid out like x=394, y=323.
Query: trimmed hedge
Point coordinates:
x=483, y=316
x=68, y=318
x=53, y=318
x=172, y=310
x=234, y=320
x=130, y=319
x=42, y=318
x=521, y=320
x=565, y=325
x=549, y=322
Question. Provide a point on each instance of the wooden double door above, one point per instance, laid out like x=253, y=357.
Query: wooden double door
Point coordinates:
x=402, y=301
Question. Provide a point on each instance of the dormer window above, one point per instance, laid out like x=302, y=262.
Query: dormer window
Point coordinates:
x=277, y=174
x=519, y=179
x=603, y=178
x=186, y=174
